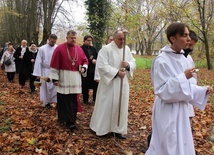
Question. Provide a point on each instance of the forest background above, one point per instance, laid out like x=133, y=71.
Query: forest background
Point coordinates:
x=145, y=20
x=27, y=128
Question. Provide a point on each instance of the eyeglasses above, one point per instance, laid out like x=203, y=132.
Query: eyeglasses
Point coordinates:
x=89, y=40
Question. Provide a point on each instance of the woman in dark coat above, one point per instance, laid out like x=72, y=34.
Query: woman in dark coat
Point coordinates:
x=23, y=64
x=31, y=57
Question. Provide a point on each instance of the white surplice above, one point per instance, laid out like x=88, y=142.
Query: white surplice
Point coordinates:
x=48, y=91
x=171, y=130
x=105, y=115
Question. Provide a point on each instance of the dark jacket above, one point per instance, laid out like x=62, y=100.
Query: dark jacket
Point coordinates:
x=23, y=65
x=91, y=53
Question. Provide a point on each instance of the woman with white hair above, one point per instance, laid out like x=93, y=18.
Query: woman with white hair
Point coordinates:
x=21, y=64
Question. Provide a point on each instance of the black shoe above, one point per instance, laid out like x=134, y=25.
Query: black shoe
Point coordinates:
x=118, y=135
x=48, y=106
x=72, y=127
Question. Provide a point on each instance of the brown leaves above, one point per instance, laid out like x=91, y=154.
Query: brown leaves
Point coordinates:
x=26, y=127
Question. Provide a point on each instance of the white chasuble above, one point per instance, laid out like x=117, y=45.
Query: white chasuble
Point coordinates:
x=105, y=115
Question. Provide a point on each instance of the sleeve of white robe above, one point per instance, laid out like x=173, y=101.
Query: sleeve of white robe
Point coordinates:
x=174, y=88
x=198, y=100
x=96, y=73
x=54, y=74
x=38, y=64
x=129, y=58
x=106, y=71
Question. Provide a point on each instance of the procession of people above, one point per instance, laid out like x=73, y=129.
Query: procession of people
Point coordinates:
x=67, y=72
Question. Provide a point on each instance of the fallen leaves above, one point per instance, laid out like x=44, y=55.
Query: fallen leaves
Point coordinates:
x=26, y=127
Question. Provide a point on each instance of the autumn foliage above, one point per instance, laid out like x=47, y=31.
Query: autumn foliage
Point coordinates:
x=26, y=127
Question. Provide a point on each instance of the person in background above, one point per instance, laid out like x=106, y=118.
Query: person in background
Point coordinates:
x=11, y=68
x=22, y=64
x=187, y=51
x=88, y=81
x=4, y=49
x=33, y=53
x=6, y=45
x=48, y=93
x=19, y=53
x=67, y=64
x=171, y=75
x=112, y=69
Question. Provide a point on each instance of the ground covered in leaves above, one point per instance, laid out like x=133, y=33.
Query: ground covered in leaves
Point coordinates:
x=26, y=127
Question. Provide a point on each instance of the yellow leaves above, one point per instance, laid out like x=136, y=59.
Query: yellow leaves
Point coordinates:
x=38, y=150
x=31, y=141
x=127, y=152
x=143, y=127
x=41, y=151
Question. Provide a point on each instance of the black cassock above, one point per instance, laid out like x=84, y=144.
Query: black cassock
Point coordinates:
x=88, y=82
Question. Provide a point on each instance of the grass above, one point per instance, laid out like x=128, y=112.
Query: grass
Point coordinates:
x=201, y=64
x=143, y=62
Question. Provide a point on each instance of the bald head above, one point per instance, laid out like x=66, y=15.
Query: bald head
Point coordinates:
x=119, y=38
x=24, y=43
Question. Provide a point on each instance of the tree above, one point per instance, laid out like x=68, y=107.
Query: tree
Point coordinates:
x=50, y=9
x=202, y=21
x=29, y=19
x=98, y=12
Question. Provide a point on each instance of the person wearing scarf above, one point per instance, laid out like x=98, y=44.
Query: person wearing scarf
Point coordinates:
x=30, y=58
x=9, y=69
x=22, y=64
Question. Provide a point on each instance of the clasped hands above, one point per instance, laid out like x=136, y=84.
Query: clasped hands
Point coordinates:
x=122, y=71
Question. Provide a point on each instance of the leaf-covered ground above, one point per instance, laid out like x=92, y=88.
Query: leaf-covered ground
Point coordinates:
x=26, y=127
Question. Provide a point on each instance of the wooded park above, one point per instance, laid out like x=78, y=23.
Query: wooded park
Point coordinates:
x=27, y=127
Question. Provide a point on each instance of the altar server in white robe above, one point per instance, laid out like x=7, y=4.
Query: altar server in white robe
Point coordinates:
x=48, y=92
x=171, y=130
x=105, y=115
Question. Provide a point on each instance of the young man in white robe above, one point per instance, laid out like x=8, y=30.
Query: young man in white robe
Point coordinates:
x=110, y=61
x=170, y=73
x=190, y=62
x=48, y=92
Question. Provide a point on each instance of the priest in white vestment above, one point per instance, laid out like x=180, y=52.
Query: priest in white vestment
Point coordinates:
x=170, y=73
x=110, y=61
x=48, y=92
